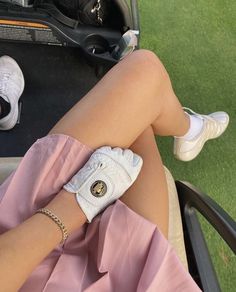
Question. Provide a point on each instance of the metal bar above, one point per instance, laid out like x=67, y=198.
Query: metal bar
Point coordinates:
x=135, y=15
x=190, y=199
x=214, y=214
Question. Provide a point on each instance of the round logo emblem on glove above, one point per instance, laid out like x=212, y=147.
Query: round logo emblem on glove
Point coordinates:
x=98, y=188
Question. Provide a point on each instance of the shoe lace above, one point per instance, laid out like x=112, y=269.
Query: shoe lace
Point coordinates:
x=187, y=109
x=198, y=115
x=4, y=77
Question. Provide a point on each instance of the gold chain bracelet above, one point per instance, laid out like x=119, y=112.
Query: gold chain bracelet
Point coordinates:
x=59, y=223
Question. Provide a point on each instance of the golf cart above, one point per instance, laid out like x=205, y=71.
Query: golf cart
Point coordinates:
x=63, y=50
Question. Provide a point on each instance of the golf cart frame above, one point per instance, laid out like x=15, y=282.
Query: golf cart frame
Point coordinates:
x=199, y=260
x=97, y=42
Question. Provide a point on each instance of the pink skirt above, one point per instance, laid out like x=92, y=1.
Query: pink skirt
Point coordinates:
x=119, y=251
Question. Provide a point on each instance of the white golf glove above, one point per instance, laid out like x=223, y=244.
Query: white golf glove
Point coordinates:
x=104, y=179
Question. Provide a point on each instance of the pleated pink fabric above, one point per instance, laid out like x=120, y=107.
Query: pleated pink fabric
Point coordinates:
x=119, y=251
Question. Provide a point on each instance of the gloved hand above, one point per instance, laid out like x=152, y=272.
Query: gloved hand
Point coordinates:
x=104, y=179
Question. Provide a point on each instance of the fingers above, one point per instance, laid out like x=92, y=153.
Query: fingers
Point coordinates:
x=130, y=161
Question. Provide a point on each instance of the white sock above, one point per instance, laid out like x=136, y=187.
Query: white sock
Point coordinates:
x=196, y=124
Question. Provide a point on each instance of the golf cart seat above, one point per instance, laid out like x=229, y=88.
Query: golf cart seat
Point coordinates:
x=8, y=165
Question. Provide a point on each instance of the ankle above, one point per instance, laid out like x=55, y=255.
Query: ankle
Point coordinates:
x=195, y=127
x=185, y=126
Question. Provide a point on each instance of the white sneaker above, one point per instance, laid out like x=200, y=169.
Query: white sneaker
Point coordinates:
x=11, y=87
x=214, y=125
x=104, y=179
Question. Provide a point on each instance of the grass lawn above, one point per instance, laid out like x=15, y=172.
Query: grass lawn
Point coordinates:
x=196, y=42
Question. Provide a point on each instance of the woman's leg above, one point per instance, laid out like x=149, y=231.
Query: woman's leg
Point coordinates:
x=148, y=196
x=134, y=94
x=118, y=111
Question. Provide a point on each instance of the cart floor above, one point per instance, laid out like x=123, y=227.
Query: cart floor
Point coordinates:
x=56, y=78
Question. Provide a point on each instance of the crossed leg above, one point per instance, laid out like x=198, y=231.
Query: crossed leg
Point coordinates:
x=148, y=196
x=133, y=102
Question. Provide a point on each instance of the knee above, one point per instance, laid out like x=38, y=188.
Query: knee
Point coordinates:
x=147, y=63
x=145, y=55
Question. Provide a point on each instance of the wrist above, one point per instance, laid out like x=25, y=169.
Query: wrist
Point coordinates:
x=65, y=206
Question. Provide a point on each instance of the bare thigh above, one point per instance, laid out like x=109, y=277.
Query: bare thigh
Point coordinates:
x=133, y=95
x=112, y=112
x=148, y=196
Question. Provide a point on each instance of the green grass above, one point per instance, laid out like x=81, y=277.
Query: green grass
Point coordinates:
x=195, y=39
